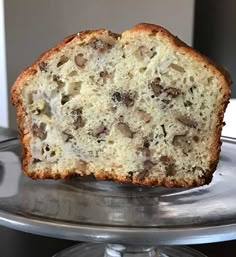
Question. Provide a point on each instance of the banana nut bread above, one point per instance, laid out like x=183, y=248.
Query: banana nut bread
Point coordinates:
x=140, y=107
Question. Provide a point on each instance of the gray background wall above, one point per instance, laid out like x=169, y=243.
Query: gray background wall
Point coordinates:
x=34, y=26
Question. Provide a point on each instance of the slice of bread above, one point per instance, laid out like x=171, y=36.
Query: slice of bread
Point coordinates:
x=140, y=107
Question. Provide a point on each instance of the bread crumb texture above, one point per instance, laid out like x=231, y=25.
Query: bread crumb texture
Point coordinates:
x=140, y=107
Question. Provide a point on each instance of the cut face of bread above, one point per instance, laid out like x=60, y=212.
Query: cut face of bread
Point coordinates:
x=141, y=107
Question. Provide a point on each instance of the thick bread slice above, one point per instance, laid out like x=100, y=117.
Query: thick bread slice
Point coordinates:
x=141, y=107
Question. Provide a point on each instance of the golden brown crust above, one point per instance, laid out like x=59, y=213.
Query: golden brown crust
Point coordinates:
x=170, y=182
x=24, y=128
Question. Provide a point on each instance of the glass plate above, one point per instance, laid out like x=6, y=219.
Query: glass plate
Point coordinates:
x=88, y=210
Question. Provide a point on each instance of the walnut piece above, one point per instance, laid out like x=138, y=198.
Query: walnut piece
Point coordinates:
x=184, y=142
x=164, y=159
x=142, y=174
x=128, y=100
x=170, y=170
x=125, y=130
x=39, y=131
x=179, y=139
x=99, y=130
x=144, y=115
x=148, y=165
x=177, y=67
x=81, y=165
x=173, y=92
x=125, y=98
x=59, y=82
x=80, y=60
x=156, y=87
x=187, y=121
x=143, y=52
x=68, y=136
x=100, y=45
x=145, y=151
x=79, y=122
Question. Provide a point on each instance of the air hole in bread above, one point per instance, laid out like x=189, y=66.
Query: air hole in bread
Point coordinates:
x=58, y=81
x=72, y=73
x=143, y=69
x=65, y=99
x=43, y=66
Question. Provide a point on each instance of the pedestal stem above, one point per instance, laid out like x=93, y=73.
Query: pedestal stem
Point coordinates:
x=116, y=250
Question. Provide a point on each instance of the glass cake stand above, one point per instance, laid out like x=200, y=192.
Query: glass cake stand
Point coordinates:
x=125, y=220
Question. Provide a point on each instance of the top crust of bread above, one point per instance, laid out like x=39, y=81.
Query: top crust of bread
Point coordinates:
x=219, y=72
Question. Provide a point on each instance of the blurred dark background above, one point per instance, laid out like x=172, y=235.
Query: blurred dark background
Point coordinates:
x=215, y=33
x=18, y=244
